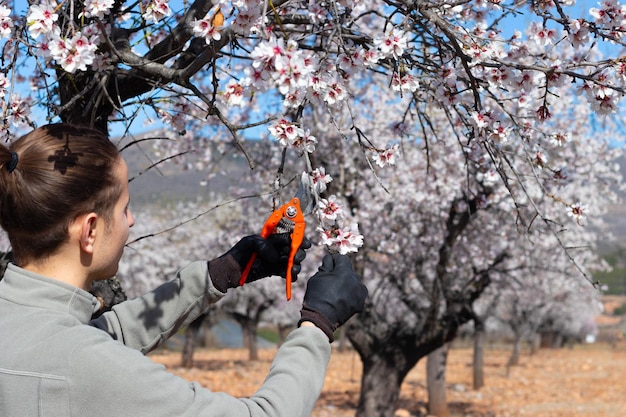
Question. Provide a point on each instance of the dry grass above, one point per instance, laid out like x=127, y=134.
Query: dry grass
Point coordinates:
x=585, y=381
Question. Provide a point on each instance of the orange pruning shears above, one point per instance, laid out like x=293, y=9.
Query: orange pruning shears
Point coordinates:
x=289, y=218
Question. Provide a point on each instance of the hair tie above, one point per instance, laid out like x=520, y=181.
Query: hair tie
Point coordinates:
x=13, y=163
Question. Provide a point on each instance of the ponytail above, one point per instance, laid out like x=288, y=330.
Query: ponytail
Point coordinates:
x=49, y=177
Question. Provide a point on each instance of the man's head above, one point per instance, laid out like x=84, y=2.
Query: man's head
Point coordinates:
x=51, y=176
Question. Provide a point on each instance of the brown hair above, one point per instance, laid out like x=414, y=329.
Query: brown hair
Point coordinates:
x=50, y=176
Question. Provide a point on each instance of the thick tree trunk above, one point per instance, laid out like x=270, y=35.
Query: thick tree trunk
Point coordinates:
x=191, y=337
x=436, y=382
x=479, y=351
x=380, y=387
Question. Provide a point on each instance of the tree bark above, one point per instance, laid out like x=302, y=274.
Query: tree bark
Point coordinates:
x=380, y=387
x=249, y=329
x=479, y=351
x=436, y=382
x=514, y=358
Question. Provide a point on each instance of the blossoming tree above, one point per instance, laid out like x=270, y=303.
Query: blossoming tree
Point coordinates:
x=496, y=128
x=431, y=247
x=222, y=68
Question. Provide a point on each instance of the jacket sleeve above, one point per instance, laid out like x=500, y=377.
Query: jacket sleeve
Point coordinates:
x=131, y=384
x=145, y=322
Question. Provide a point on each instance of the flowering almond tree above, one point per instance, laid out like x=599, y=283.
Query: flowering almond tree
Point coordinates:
x=220, y=70
x=432, y=246
x=499, y=135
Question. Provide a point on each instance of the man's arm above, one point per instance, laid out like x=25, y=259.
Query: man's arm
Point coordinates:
x=145, y=322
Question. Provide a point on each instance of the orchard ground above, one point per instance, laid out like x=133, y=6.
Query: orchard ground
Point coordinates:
x=581, y=381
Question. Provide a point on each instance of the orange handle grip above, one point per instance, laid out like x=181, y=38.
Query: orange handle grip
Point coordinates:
x=296, y=236
x=296, y=240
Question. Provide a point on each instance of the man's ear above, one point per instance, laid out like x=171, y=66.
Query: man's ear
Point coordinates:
x=87, y=229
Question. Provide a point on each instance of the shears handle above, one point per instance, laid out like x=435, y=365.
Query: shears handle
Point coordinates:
x=292, y=213
x=268, y=229
x=296, y=240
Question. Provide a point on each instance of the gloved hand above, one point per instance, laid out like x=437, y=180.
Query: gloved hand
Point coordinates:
x=272, y=257
x=333, y=295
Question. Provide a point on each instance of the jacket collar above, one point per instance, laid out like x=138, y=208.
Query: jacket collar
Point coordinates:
x=28, y=288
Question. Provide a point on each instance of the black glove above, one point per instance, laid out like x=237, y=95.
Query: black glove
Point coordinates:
x=333, y=295
x=272, y=257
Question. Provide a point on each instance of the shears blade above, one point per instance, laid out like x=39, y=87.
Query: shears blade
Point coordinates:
x=305, y=194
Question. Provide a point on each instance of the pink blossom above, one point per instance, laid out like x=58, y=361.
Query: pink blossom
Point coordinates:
x=320, y=179
x=385, y=157
x=342, y=240
x=19, y=111
x=405, y=83
x=499, y=133
x=305, y=143
x=317, y=12
x=41, y=19
x=541, y=35
x=6, y=23
x=248, y=20
x=286, y=132
x=481, y=120
x=234, y=93
x=330, y=210
x=204, y=28
x=157, y=10
x=392, y=44
x=73, y=54
x=578, y=212
x=497, y=76
x=620, y=71
x=604, y=104
x=352, y=62
x=294, y=98
x=560, y=138
x=526, y=80
x=610, y=14
x=543, y=113
x=334, y=93
x=578, y=33
x=97, y=8
x=289, y=67
x=371, y=57
x=4, y=85
x=178, y=116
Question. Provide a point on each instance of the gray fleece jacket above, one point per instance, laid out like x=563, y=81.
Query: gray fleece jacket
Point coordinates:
x=55, y=362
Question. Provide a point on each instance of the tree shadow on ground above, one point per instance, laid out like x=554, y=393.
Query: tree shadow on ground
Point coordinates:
x=348, y=401
x=219, y=364
x=419, y=408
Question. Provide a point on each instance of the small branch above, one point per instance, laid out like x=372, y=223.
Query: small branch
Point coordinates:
x=169, y=229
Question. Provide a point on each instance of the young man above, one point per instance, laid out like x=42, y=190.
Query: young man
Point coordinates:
x=64, y=205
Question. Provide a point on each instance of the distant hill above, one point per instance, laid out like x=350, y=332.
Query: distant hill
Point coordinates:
x=171, y=181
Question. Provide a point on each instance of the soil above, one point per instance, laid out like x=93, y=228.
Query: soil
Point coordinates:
x=582, y=381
